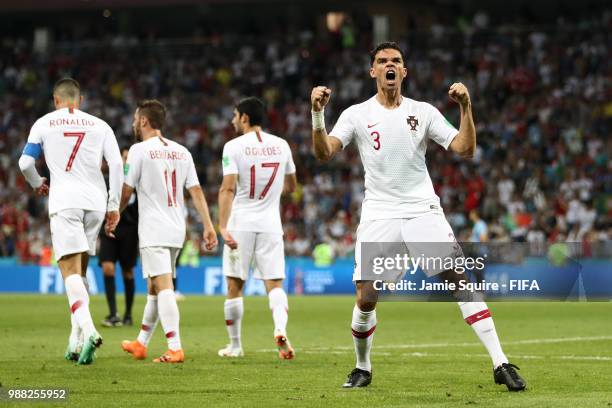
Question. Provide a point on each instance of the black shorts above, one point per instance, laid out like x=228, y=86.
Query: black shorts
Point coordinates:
x=124, y=248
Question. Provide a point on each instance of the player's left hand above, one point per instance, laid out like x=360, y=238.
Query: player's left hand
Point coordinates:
x=210, y=239
x=112, y=220
x=43, y=190
x=459, y=93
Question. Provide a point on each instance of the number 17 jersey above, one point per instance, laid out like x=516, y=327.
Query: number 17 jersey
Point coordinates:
x=160, y=169
x=261, y=161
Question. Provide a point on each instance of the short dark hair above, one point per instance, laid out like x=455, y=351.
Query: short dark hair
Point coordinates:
x=154, y=111
x=385, y=46
x=253, y=108
x=67, y=88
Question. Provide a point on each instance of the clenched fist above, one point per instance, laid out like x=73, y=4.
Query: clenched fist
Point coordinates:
x=319, y=97
x=459, y=93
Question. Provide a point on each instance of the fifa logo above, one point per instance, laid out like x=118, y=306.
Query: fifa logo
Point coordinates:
x=412, y=122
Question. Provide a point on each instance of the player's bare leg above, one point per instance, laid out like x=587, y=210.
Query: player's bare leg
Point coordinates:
x=71, y=267
x=233, y=309
x=363, y=326
x=279, y=305
x=150, y=317
x=476, y=313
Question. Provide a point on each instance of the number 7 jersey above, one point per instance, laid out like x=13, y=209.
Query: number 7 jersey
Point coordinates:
x=160, y=169
x=74, y=143
x=261, y=161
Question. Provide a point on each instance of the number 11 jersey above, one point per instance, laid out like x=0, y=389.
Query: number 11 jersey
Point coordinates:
x=261, y=161
x=160, y=169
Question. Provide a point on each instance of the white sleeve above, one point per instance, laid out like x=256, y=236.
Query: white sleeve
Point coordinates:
x=192, y=175
x=230, y=166
x=27, y=165
x=439, y=129
x=290, y=168
x=32, y=151
x=112, y=155
x=344, y=129
x=133, y=166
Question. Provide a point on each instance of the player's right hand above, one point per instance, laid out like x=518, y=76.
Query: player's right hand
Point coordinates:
x=112, y=220
x=319, y=97
x=229, y=240
x=210, y=239
x=43, y=190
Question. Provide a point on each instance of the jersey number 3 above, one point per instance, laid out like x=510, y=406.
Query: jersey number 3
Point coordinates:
x=274, y=166
x=79, y=136
x=376, y=137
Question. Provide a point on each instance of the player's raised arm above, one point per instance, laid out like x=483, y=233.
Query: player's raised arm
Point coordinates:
x=325, y=147
x=464, y=144
x=226, y=197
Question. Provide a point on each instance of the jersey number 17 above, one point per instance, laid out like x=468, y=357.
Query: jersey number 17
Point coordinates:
x=274, y=166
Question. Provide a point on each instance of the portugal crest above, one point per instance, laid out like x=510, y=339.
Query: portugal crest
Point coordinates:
x=413, y=122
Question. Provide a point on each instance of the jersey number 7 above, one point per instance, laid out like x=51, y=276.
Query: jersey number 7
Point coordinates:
x=79, y=136
x=267, y=187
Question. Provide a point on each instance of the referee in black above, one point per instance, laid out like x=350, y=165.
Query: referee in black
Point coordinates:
x=122, y=249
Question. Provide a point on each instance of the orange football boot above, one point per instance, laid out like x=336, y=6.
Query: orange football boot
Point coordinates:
x=135, y=348
x=285, y=351
x=171, y=356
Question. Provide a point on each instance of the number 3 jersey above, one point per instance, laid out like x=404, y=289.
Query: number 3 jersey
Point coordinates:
x=392, y=145
x=160, y=169
x=74, y=143
x=261, y=161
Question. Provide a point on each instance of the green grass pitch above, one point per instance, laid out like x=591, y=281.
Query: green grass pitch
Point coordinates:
x=423, y=355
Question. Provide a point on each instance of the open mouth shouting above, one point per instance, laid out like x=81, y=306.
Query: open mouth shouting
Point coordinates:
x=390, y=75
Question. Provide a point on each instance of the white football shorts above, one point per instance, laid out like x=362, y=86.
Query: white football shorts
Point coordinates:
x=74, y=231
x=428, y=236
x=157, y=260
x=264, y=251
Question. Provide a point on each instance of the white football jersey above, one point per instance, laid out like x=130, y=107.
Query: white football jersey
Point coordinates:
x=160, y=169
x=392, y=145
x=74, y=143
x=261, y=161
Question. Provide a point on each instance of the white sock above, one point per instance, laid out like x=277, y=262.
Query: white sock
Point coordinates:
x=233, y=310
x=150, y=318
x=169, y=316
x=79, y=304
x=477, y=315
x=280, y=310
x=73, y=340
x=363, y=327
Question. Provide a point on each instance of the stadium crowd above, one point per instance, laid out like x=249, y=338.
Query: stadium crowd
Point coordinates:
x=541, y=96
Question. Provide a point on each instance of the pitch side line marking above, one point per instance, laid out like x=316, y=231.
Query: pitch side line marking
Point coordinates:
x=425, y=355
x=470, y=344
